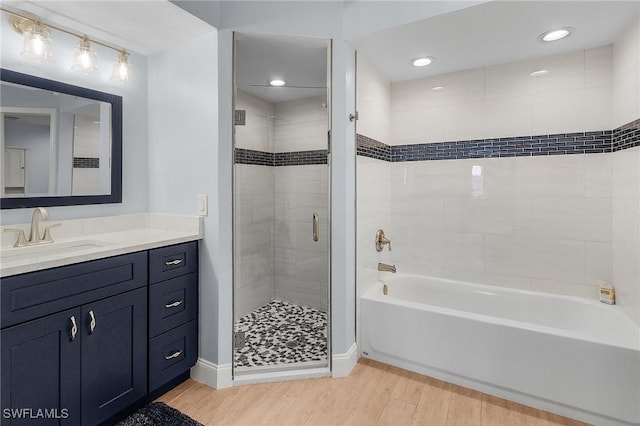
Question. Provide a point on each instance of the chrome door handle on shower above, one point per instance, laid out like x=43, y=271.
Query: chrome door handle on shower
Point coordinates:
x=316, y=227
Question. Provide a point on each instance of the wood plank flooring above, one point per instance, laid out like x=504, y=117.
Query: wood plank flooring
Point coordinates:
x=373, y=394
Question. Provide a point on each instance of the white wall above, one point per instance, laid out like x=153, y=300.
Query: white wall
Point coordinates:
x=184, y=158
x=254, y=237
x=626, y=175
x=301, y=264
x=538, y=223
x=374, y=102
x=254, y=209
x=257, y=133
x=134, y=128
x=504, y=100
x=301, y=125
x=373, y=176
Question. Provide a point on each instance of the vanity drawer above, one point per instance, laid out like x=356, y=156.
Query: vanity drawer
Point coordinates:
x=170, y=262
x=35, y=294
x=172, y=303
x=172, y=353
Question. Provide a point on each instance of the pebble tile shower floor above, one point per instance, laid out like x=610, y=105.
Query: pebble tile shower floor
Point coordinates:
x=282, y=333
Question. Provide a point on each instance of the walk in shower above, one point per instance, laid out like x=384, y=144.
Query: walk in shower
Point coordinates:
x=281, y=203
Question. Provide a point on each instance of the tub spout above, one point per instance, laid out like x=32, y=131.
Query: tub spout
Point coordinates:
x=383, y=267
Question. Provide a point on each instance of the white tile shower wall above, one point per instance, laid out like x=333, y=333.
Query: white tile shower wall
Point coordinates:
x=374, y=212
x=626, y=83
x=257, y=133
x=374, y=103
x=301, y=264
x=539, y=223
x=373, y=176
x=254, y=237
x=504, y=100
x=626, y=175
x=301, y=125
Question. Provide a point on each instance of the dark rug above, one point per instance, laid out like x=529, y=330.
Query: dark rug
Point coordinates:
x=158, y=414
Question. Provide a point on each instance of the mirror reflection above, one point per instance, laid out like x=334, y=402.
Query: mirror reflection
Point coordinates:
x=53, y=144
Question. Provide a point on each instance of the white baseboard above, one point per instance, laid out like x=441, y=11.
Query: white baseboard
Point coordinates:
x=344, y=363
x=216, y=376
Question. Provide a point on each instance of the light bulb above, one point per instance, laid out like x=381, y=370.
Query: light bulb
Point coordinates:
x=121, y=67
x=37, y=44
x=85, y=60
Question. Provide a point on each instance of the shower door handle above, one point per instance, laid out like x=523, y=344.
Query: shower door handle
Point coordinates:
x=316, y=227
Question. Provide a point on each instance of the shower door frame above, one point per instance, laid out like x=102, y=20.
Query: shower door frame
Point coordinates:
x=278, y=369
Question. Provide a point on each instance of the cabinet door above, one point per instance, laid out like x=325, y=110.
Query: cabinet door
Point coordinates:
x=40, y=371
x=114, y=355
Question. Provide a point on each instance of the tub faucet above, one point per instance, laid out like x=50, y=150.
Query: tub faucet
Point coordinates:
x=383, y=267
x=381, y=240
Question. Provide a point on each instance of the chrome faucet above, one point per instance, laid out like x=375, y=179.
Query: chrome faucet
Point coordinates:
x=381, y=240
x=383, y=267
x=39, y=213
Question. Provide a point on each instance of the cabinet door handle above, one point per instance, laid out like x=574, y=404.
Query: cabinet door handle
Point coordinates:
x=174, y=355
x=173, y=304
x=173, y=262
x=74, y=327
x=92, y=322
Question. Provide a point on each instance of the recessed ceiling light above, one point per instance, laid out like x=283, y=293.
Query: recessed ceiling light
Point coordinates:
x=437, y=88
x=277, y=82
x=422, y=61
x=557, y=34
x=539, y=73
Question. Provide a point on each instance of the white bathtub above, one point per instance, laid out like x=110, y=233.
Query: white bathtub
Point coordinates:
x=568, y=355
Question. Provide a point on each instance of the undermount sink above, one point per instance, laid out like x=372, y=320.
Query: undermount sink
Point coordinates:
x=52, y=248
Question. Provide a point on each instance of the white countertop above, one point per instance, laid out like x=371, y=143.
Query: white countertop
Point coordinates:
x=82, y=240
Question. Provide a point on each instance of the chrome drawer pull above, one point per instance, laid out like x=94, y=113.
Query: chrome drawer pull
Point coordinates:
x=74, y=328
x=92, y=323
x=174, y=304
x=174, y=355
x=173, y=262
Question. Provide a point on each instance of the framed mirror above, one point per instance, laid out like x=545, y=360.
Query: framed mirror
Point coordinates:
x=60, y=144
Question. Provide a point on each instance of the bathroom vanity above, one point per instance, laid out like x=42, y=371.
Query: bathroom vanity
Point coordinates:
x=100, y=332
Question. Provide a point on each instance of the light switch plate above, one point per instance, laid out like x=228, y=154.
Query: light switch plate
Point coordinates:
x=203, y=205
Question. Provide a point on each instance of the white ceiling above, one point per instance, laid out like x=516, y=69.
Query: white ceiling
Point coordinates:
x=146, y=27
x=493, y=33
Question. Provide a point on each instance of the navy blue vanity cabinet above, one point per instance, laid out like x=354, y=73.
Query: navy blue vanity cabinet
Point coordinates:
x=74, y=341
x=40, y=360
x=114, y=355
x=173, y=312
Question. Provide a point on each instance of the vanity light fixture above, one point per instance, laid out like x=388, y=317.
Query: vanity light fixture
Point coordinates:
x=37, y=46
x=85, y=60
x=37, y=43
x=121, y=67
x=557, y=34
x=422, y=61
x=539, y=73
x=277, y=82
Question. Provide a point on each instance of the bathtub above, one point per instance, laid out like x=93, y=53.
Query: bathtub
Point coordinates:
x=572, y=356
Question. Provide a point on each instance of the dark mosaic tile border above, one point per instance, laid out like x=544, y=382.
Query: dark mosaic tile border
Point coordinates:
x=627, y=136
x=624, y=137
x=294, y=158
x=371, y=148
x=86, y=163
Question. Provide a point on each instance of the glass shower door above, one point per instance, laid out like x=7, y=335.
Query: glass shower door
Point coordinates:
x=281, y=199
